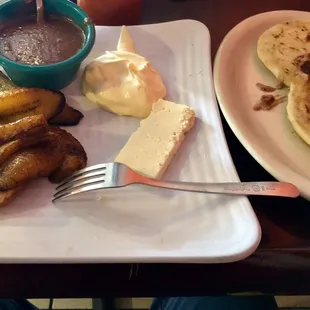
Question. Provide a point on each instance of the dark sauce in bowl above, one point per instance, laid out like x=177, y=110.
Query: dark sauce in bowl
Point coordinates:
x=28, y=42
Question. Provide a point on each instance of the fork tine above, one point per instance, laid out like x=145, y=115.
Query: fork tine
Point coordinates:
x=83, y=189
x=74, y=183
x=68, y=193
x=82, y=171
x=86, y=175
x=78, y=189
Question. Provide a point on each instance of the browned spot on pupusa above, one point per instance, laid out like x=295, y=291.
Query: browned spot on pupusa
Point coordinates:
x=277, y=35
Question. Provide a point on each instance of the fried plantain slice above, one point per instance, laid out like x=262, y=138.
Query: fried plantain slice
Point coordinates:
x=10, y=148
x=30, y=164
x=67, y=117
x=7, y=197
x=25, y=127
x=75, y=155
x=18, y=103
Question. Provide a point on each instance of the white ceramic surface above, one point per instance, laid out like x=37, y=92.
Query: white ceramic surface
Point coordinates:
x=267, y=135
x=141, y=224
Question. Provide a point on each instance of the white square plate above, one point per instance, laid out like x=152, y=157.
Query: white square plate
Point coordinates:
x=141, y=224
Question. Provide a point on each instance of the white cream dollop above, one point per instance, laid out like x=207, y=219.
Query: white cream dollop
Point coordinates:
x=122, y=81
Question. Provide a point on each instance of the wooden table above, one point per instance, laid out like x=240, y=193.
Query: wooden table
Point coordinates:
x=280, y=265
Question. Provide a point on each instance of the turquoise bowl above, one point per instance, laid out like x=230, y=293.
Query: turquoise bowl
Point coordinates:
x=54, y=76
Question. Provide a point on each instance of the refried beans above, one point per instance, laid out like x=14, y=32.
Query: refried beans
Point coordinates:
x=52, y=41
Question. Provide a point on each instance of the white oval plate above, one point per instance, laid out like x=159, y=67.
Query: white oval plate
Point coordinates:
x=267, y=135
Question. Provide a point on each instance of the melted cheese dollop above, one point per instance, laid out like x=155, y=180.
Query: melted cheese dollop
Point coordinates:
x=122, y=81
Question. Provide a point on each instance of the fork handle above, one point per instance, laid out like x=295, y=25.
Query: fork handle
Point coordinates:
x=280, y=189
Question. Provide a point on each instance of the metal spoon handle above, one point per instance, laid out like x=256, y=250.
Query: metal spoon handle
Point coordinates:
x=40, y=11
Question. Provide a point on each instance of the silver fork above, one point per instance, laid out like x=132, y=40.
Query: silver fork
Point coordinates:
x=113, y=175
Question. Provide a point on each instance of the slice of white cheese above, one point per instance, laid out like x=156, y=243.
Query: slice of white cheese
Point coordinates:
x=151, y=148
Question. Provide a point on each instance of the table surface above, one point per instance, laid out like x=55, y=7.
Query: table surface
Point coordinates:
x=280, y=265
